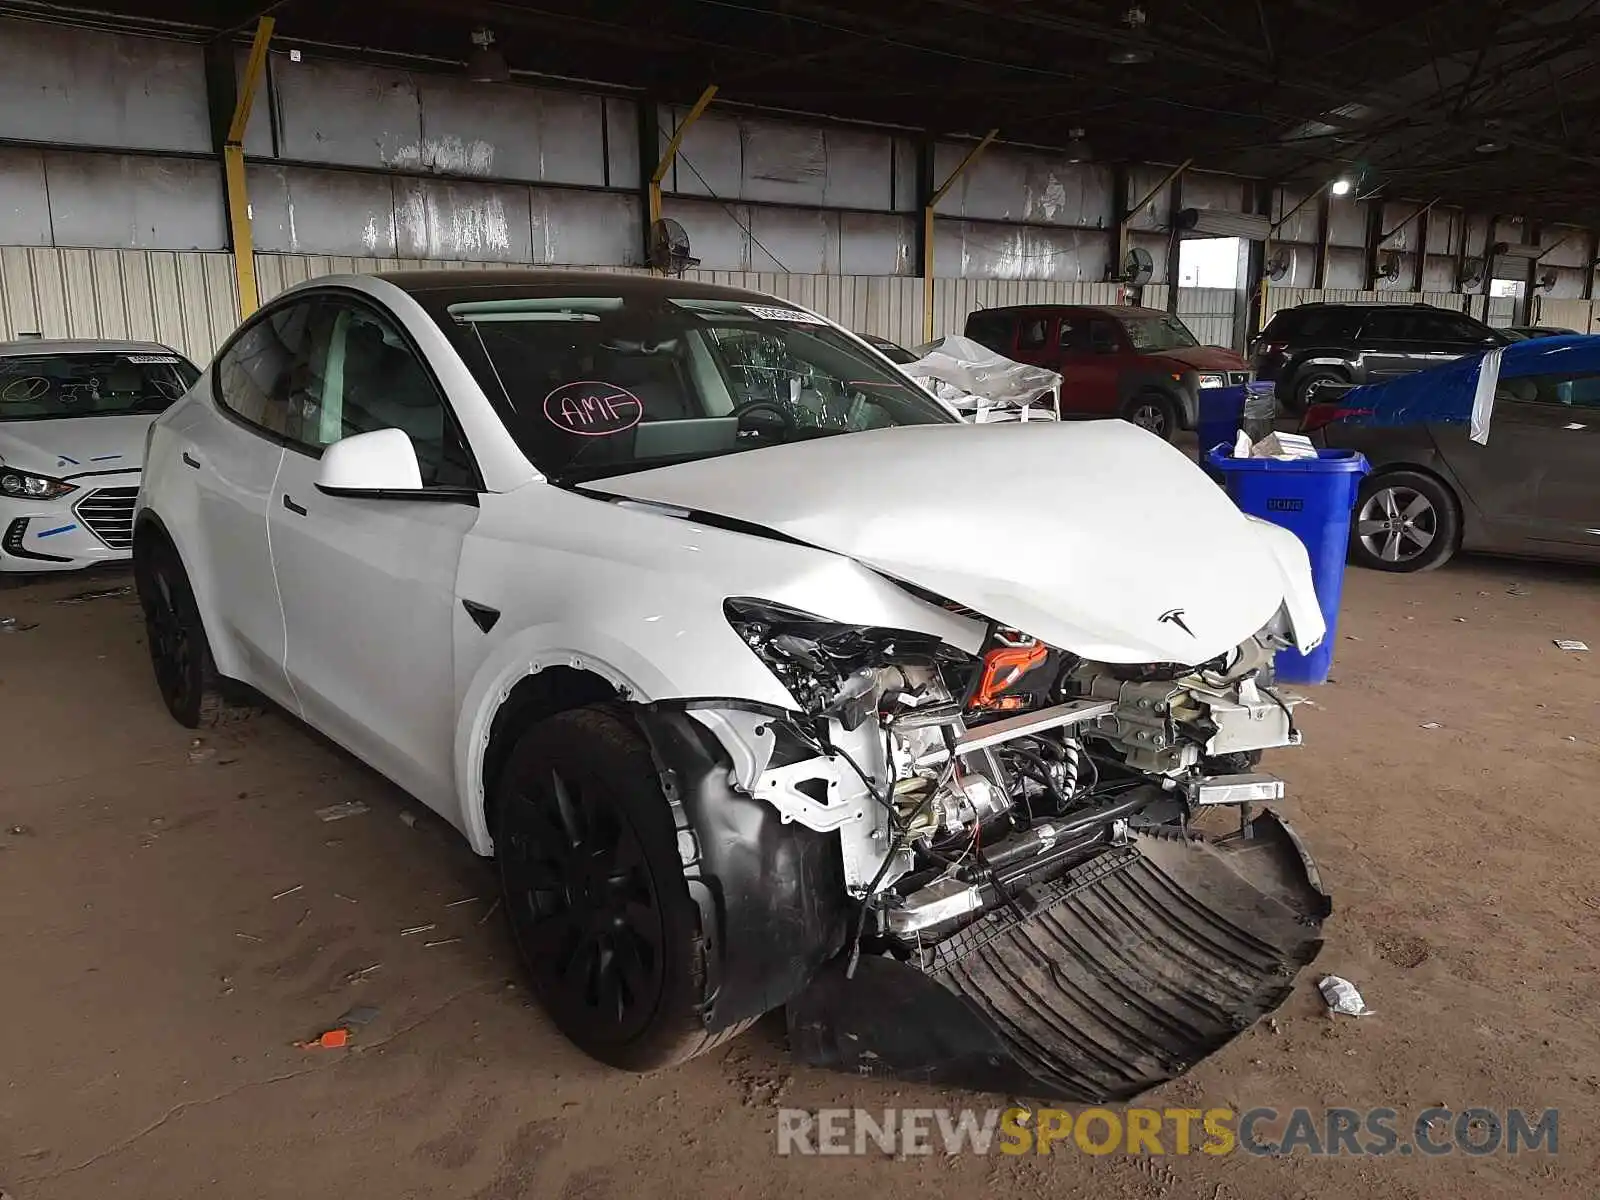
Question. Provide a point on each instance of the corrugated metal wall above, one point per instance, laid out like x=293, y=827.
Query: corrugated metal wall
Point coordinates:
x=186, y=300
x=1282, y=297
x=1582, y=315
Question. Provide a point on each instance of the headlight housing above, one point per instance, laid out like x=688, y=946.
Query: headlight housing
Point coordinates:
x=25, y=485
x=814, y=657
x=1212, y=380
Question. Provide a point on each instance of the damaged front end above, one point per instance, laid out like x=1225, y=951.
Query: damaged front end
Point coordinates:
x=1023, y=907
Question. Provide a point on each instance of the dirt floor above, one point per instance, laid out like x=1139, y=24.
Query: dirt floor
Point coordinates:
x=174, y=916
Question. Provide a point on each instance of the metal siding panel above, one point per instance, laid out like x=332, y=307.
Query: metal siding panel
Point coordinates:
x=1566, y=247
x=1568, y=284
x=1141, y=178
x=860, y=169
x=84, y=87
x=135, y=202
x=1347, y=222
x=19, y=311
x=1566, y=314
x=875, y=245
x=710, y=155
x=781, y=163
x=1404, y=238
x=585, y=228
x=1444, y=229
x=166, y=298
x=508, y=131
x=194, y=299
x=300, y=210
x=222, y=299
x=462, y=221
x=82, y=296
x=622, y=141
x=50, y=293
x=356, y=115
x=24, y=198
x=1302, y=226
x=1201, y=190
x=905, y=176
x=1502, y=311
x=716, y=237
x=1346, y=268
x=138, y=303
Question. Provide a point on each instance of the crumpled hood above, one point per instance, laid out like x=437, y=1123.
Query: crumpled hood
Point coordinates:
x=75, y=445
x=1206, y=358
x=1094, y=537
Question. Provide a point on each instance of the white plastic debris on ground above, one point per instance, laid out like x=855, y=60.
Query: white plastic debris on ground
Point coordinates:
x=1341, y=997
x=984, y=386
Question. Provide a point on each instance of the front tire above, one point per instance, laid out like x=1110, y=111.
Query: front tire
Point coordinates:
x=1153, y=412
x=179, y=652
x=1404, y=521
x=596, y=895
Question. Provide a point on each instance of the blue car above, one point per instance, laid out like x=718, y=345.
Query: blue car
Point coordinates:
x=1498, y=452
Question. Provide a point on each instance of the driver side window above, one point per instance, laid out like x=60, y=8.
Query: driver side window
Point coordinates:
x=361, y=375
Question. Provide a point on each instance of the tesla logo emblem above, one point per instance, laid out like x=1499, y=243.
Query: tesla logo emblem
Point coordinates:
x=1174, y=616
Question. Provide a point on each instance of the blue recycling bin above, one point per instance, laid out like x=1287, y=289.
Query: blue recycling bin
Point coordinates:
x=1221, y=413
x=1312, y=499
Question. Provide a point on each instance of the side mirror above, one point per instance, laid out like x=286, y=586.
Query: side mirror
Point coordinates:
x=366, y=464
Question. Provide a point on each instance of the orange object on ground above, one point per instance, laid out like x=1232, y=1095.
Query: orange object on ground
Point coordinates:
x=333, y=1039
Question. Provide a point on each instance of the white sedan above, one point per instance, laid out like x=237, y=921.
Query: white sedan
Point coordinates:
x=766, y=680
x=73, y=419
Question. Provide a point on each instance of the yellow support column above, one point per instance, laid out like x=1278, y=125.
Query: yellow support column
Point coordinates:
x=671, y=152
x=927, y=230
x=242, y=236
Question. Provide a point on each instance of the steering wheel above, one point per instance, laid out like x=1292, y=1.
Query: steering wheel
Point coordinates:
x=785, y=417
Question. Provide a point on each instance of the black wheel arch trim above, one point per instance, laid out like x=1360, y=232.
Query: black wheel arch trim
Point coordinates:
x=771, y=894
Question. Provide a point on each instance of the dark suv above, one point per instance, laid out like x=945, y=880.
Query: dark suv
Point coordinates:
x=1308, y=347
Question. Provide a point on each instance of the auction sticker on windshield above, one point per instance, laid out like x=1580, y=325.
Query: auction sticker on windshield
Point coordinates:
x=592, y=408
x=770, y=312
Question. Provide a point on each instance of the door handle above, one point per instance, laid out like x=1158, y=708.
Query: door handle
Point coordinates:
x=190, y=461
x=292, y=506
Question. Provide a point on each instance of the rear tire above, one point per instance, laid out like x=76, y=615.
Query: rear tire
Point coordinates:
x=1305, y=388
x=1404, y=521
x=595, y=892
x=186, y=675
x=1154, y=412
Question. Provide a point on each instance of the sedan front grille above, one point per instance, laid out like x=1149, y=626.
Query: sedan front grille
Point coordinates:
x=108, y=514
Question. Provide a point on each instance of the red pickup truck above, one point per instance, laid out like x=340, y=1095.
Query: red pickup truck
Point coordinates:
x=1141, y=364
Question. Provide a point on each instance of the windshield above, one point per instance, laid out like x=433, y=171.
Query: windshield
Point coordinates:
x=1157, y=333
x=47, y=387
x=594, y=385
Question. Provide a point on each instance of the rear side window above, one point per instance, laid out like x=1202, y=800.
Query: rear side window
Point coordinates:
x=265, y=366
x=1308, y=324
x=990, y=329
x=1033, y=333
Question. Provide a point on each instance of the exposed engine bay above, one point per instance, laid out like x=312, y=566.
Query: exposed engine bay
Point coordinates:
x=947, y=775
x=974, y=794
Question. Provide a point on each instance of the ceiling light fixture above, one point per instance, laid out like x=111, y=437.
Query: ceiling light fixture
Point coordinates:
x=1129, y=56
x=1077, y=148
x=1341, y=187
x=486, y=64
x=1490, y=146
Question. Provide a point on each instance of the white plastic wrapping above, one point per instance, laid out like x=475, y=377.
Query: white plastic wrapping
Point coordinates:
x=985, y=386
